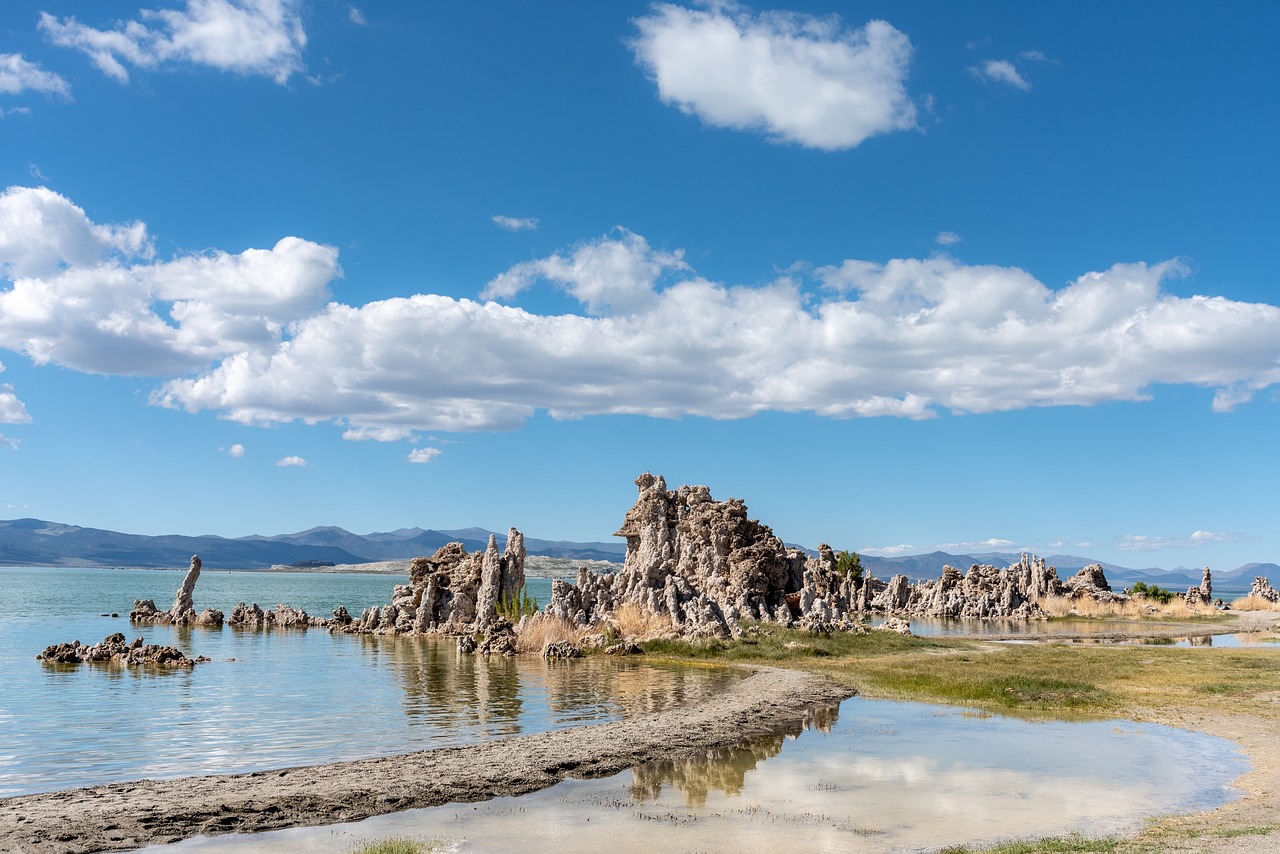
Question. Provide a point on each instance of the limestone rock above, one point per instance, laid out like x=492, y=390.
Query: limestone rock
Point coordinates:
x=703, y=565
x=452, y=593
x=184, y=609
x=115, y=651
x=556, y=650
x=1262, y=588
x=1202, y=595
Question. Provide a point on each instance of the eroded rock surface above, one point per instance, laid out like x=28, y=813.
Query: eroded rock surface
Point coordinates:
x=183, y=610
x=703, y=565
x=115, y=650
x=1262, y=588
x=453, y=592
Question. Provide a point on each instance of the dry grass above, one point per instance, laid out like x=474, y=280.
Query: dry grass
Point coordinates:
x=1254, y=603
x=539, y=630
x=1136, y=608
x=637, y=623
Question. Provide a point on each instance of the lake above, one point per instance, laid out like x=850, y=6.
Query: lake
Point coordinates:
x=876, y=776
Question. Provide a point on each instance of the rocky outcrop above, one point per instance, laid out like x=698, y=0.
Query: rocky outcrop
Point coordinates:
x=114, y=650
x=183, y=610
x=1262, y=588
x=704, y=565
x=252, y=617
x=1202, y=595
x=452, y=593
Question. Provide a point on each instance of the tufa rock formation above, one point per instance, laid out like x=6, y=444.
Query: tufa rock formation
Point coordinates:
x=1202, y=595
x=703, y=565
x=1263, y=589
x=451, y=593
x=183, y=611
x=114, y=650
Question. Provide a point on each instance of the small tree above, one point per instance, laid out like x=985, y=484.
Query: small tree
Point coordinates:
x=849, y=564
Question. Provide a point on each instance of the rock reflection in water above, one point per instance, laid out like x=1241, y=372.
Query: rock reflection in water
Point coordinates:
x=721, y=769
x=500, y=695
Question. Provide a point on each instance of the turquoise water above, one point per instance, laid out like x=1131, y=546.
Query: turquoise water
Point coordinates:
x=269, y=700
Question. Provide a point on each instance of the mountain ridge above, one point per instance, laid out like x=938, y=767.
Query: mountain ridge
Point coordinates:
x=36, y=542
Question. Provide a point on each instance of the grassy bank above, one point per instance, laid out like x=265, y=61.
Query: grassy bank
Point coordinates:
x=1229, y=691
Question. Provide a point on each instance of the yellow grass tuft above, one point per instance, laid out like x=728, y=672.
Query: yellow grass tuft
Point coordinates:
x=539, y=630
x=1136, y=608
x=637, y=623
x=1254, y=603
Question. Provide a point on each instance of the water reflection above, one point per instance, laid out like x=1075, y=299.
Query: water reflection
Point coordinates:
x=890, y=777
x=496, y=695
x=722, y=769
x=444, y=688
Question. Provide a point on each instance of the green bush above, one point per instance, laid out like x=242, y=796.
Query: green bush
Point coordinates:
x=1153, y=592
x=848, y=563
x=520, y=605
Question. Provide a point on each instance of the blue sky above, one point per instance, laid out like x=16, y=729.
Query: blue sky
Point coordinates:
x=902, y=276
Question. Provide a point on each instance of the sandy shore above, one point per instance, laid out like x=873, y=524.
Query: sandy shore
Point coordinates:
x=131, y=815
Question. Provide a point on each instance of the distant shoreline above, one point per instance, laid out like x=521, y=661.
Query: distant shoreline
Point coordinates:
x=536, y=566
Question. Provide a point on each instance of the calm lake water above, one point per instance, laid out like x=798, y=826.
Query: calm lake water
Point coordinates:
x=878, y=777
x=270, y=700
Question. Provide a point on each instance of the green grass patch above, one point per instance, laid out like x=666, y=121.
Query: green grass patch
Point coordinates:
x=401, y=845
x=1073, y=844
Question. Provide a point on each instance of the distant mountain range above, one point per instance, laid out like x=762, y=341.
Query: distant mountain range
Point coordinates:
x=32, y=542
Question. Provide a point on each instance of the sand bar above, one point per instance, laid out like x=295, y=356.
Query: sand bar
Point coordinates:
x=123, y=816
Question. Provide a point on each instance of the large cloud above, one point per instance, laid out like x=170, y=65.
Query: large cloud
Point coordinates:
x=250, y=336
x=253, y=37
x=91, y=297
x=799, y=78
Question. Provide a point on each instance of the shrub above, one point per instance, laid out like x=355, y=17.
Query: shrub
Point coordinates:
x=1153, y=592
x=520, y=605
x=848, y=563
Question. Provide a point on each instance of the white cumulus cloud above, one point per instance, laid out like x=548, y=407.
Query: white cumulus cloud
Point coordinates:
x=18, y=75
x=236, y=450
x=613, y=274
x=1001, y=71
x=91, y=297
x=798, y=78
x=424, y=455
x=250, y=37
x=253, y=336
x=293, y=461
x=6, y=442
x=947, y=238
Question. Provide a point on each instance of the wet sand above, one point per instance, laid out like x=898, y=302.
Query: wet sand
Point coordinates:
x=123, y=816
